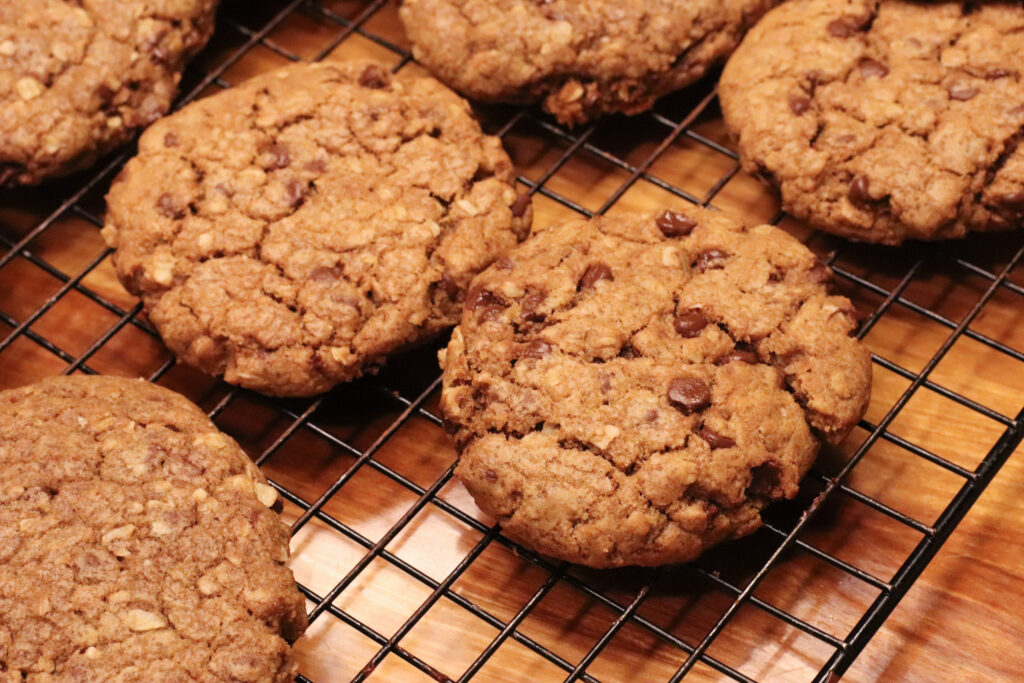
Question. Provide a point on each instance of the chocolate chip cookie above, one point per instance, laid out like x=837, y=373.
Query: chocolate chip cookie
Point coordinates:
x=136, y=543
x=885, y=121
x=77, y=79
x=633, y=389
x=292, y=232
x=580, y=59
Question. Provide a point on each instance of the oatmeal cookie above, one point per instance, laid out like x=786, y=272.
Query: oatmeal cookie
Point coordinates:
x=580, y=59
x=79, y=78
x=292, y=232
x=885, y=121
x=136, y=542
x=633, y=389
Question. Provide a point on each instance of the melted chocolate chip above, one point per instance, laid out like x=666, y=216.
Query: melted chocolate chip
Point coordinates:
x=871, y=68
x=689, y=323
x=171, y=139
x=327, y=274
x=860, y=192
x=674, y=224
x=798, y=104
x=651, y=416
x=449, y=426
x=845, y=27
x=490, y=475
x=741, y=354
x=373, y=77
x=480, y=298
x=169, y=207
x=538, y=348
x=689, y=394
x=295, y=192
x=594, y=273
x=531, y=302
x=962, y=92
x=279, y=157
x=712, y=259
x=520, y=205
x=716, y=440
x=316, y=166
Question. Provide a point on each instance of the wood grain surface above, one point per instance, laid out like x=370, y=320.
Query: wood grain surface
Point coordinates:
x=960, y=621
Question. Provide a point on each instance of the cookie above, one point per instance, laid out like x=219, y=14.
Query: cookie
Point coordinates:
x=78, y=79
x=885, y=121
x=136, y=543
x=580, y=59
x=631, y=390
x=292, y=232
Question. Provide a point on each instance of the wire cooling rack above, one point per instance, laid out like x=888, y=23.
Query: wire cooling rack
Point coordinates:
x=404, y=578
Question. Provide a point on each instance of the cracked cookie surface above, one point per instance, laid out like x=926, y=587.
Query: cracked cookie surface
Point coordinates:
x=580, y=59
x=634, y=389
x=79, y=78
x=293, y=231
x=136, y=542
x=885, y=121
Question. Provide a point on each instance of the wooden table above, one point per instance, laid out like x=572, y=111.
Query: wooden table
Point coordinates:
x=419, y=559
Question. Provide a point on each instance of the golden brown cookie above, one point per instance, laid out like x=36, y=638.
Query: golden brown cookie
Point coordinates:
x=136, y=543
x=580, y=59
x=79, y=78
x=292, y=232
x=885, y=121
x=633, y=389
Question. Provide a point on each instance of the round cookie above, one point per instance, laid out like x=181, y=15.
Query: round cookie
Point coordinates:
x=885, y=121
x=631, y=390
x=77, y=79
x=293, y=231
x=135, y=542
x=580, y=59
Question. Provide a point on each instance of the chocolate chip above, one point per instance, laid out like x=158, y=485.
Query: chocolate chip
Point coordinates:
x=840, y=28
x=373, y=77
x=871, y=68
x=651, y=416
x=689, y=394
x=1013, y=201
x=316, y=166
x=689, y=323
x=505, y=263
x=538, y=348
x=448, y=285
x=674, y=224
x=531, y=302
x=594, y=273
x=798, y=104
x=712, y=259
x=279, y=157
x=295, y=192
x=743, y=355
x=998, y=72
x=629, y=351
x=327, y=274
x=449, y=426
x=169, y=207
x=962, y=92
x=860, y=192
x=716, y=440
x=520, y=205
x=171, y=139
x=480, y=298
x=489, y=475
x=764, y=480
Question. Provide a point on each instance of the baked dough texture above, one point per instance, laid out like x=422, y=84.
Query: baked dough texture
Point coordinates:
x=634, y=389
x=885, y=121
x=136, y=542
x=292, y=232
x=81, y=77
x=581, y=59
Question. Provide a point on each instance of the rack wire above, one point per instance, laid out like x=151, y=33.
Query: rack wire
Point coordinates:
x=380, y=408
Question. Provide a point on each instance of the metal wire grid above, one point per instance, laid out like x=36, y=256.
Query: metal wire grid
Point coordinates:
x=412, y=401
